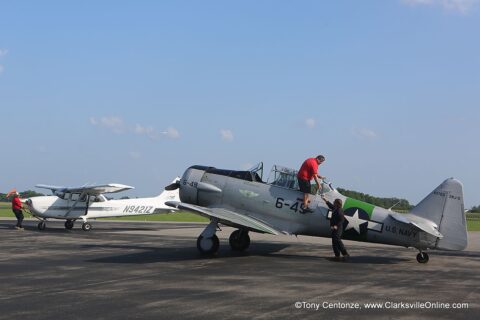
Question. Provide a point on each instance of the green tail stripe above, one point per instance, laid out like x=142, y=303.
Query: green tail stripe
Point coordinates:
x=352, y=203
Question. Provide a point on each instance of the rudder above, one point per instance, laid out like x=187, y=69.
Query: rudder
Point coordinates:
x=444, y=206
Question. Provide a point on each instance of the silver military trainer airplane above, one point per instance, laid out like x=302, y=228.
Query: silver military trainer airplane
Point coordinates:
x=88, y=202
x=241, y=199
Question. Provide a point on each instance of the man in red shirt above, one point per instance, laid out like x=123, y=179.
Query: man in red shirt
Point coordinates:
x=307, y=172
x=17, y=209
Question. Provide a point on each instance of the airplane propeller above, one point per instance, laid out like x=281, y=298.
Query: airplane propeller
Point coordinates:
x=173, y=186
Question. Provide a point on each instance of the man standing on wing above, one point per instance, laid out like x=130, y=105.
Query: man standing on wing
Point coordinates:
x=307, y=172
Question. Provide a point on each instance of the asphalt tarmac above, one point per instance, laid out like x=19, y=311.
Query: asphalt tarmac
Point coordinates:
x=132, y=270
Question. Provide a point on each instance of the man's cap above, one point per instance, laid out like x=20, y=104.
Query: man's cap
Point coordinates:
x=321, y=158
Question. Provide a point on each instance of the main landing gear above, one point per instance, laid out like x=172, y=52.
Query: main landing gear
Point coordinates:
x=239, y=240
x=422, y=257
x=208, y=243
x=86, y=226
x=69, y=224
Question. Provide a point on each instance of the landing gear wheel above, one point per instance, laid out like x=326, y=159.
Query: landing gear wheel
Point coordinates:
x=86, y=226
x=41, y=225
x=422, y=257
x=69, y=224
x=239, y=240
x=208, y=245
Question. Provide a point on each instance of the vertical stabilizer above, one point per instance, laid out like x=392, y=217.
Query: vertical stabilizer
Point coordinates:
x=444, y=206
x=170, y=195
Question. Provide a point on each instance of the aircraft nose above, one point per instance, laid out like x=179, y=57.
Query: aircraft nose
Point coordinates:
x=31, y=206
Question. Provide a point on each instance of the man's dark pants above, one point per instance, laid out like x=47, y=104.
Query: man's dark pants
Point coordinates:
x=337, y=243
x=19, y=215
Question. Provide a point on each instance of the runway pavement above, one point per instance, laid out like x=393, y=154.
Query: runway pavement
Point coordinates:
x=132, y=270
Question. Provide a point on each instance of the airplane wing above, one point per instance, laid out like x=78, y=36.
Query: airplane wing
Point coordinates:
x=421, y=224
x=226, y=217
x=92, y=190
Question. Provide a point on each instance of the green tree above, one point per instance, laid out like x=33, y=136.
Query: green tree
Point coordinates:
x=475, y=209
x=23, y=194
x=398, y=204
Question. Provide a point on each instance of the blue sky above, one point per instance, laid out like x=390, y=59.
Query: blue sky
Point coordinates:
x=136, y=91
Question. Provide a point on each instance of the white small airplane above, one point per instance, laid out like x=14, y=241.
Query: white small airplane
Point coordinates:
x=89, y=202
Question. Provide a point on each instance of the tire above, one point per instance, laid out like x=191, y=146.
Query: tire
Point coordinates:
x=86, y=226
x=69, y=224
x=208, y=245
x=239, y=240
x=422, y=257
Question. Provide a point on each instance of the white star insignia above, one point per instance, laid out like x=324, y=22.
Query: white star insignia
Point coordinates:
x=354, y=222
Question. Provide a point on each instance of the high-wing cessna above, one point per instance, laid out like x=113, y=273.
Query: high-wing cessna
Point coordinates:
x=242, y=200
x=89, y=202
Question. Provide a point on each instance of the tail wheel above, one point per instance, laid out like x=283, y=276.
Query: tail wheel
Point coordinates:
x=239, y=240
x=208, y=245
x=86, y=226
x=422, y=257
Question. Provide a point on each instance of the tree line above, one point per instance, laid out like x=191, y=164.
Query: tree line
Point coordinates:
x=24, y=194
x=475, y=209
x=396, y=203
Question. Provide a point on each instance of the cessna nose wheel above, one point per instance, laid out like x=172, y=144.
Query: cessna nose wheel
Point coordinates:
x=42, y=225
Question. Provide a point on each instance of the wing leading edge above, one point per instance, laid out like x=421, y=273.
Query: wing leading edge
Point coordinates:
x=92, y=190
x=226, y=217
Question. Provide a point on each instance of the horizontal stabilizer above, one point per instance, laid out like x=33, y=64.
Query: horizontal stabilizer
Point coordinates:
x=226, y=217
x=422, y=224
x=444, y=207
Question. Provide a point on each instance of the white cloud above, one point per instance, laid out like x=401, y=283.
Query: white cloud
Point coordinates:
x=364, y=133
x=114, y=124
x=415, y=2
x=148, y=131
x=310, y=123
x=117, y=125
x=172, y=133
x=227, y=135
x=461, y=6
